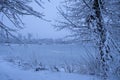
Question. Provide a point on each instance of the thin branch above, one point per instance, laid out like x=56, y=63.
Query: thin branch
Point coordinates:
x=60, y=11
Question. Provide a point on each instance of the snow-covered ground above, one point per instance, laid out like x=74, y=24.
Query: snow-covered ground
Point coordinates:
x=54, y=62
x=48, y=54
x=9, y=71
x=54, y=55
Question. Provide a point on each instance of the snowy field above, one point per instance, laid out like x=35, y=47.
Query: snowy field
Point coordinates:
x=59, y=62
x=11, y=72
x=49, y=54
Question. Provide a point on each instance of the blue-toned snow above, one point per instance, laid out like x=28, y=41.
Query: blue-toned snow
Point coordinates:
x=10, y=72
x=49, y=54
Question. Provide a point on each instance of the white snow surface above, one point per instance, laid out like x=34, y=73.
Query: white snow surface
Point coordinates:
x=48, y=54
x=9, y=71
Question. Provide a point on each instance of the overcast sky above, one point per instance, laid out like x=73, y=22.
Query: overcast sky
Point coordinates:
x=43, y=29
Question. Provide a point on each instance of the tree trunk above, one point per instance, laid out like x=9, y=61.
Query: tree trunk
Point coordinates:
x=104, y=50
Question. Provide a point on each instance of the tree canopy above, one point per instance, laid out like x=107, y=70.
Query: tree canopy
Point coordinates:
x=13, y=10
x=93, y=20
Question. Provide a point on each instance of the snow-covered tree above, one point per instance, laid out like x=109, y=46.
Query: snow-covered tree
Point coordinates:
x=93, y=20
x=13, y=10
